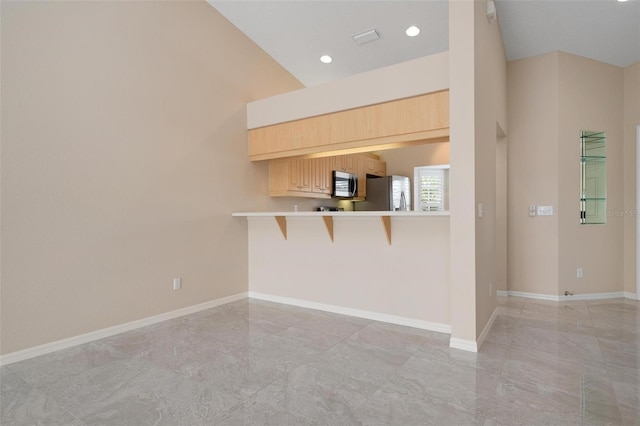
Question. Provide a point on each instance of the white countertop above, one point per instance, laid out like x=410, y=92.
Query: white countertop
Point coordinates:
x=342, y=213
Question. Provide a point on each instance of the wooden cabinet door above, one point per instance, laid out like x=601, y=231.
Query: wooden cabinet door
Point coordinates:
x=345, y=163
x=337, y=163
x=322, y=178
x=299, y=175
x=361, y=172
x=350, y=163
x=314, y=177
x=376, y=167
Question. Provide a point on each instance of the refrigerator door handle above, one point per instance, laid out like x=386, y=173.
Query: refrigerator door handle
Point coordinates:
x=403, y=202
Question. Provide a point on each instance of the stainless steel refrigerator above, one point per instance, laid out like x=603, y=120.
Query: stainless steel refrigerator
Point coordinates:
x=389, y=193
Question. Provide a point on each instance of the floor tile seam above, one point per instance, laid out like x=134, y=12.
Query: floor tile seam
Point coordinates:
x=394, y=370
x=506, y=357
x=411, y=352
x=622, y=405
x=38, y=386
x=120, y=387
x=356, y=410
x=517, y=326
x=10, y=368
x=552, y=389
x=615, y=393
x=245, y=398
x=178, y=372
x=577, y=394
x=342, y=338
x=229, y=410
x=248, y=397
x=619, y=404
x=565, y=333
x=58, y=404
x=307, y=364
x=368, y=346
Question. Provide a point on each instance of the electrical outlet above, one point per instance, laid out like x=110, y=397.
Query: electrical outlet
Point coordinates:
x=177, y=283
x=579, y=273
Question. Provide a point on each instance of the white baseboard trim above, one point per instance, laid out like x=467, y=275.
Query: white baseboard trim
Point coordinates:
x=502, y=293
x=576, y=297
x=470, y=345
x=537, y=296
x=376, y=316
x=111, y=331
x=593, y=296
x=465, y=345
x=487, y=328
x=632, y=296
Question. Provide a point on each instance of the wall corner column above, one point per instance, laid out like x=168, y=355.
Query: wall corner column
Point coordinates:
x=462, y=159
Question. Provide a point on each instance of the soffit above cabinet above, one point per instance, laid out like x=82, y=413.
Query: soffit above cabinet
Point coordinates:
x=424, y=75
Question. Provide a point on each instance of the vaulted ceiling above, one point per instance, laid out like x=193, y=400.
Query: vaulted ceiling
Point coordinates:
x=297, y=32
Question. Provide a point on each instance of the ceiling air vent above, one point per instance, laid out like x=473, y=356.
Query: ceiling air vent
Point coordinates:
x=366, y=37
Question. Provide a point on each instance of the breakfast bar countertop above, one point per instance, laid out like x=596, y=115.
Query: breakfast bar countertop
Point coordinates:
x=342, y=213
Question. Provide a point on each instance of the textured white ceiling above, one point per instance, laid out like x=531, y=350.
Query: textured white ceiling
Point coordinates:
x=297, y=32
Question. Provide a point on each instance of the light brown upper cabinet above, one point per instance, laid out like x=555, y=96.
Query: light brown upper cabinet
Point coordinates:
x=290, y=176
x=368, y=165
x=406, y=116
x=313, y=177
x=344, y=163
x=300, y=177
x=375, y=167
x=322, y=179
x=293, y=135
x=419, y=119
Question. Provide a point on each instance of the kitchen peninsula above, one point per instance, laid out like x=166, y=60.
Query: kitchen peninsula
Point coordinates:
x=327, y=217
x=387, y=266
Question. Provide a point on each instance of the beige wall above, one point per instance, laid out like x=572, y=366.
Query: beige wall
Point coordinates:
x=401, y=161
x=533, y=173
x=590, y=98
x=490, y=117
x=551, y=98
x=124, y=152
x=631, y=121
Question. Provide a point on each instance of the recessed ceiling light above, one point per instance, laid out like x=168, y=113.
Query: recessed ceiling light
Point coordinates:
x=622, y=1
x=326, y=59
x=412, y=31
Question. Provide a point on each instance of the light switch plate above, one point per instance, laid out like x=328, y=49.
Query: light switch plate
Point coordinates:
x=545, y=210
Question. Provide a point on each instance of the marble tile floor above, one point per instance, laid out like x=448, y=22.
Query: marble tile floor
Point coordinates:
x=258, y=363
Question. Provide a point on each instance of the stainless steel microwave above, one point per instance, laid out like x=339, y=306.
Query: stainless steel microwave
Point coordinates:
x=345, y=185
